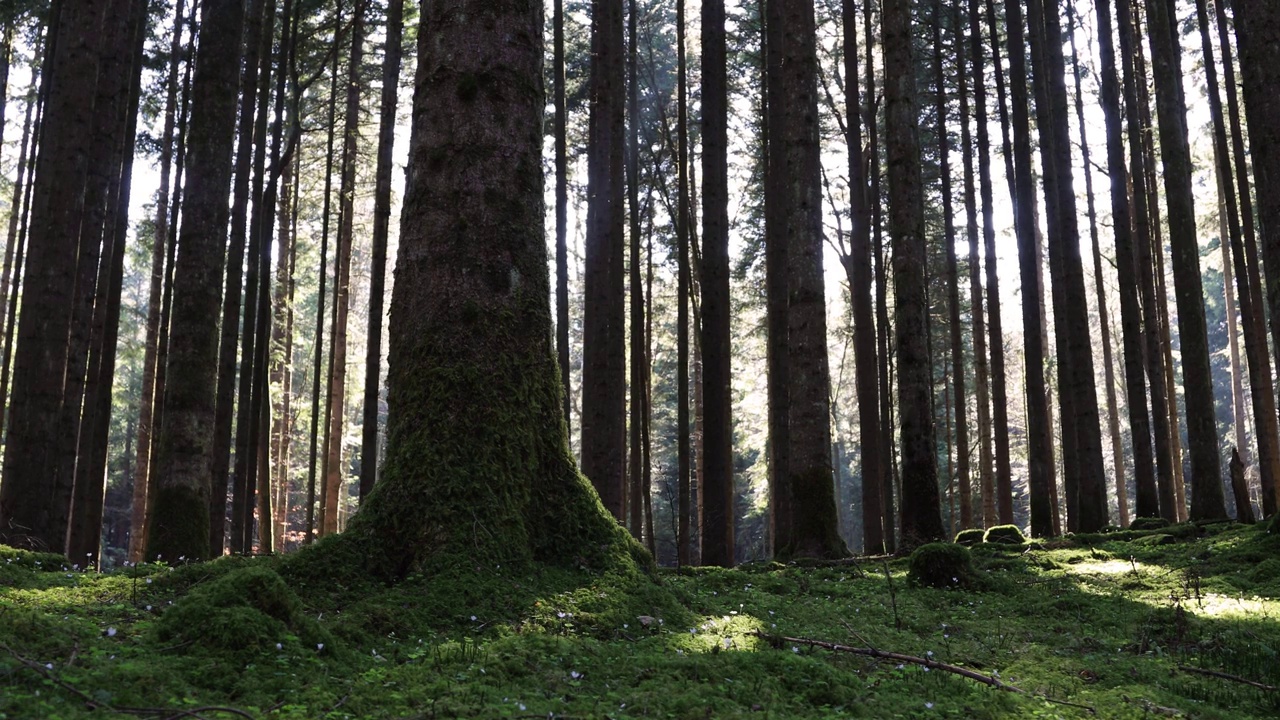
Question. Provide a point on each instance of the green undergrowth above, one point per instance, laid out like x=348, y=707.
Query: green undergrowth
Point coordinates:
x=1102, y=620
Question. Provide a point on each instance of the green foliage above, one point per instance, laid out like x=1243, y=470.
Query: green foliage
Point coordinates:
x=972, y=536
x=1005, y=534
x=942, y=565
x=1104, y=625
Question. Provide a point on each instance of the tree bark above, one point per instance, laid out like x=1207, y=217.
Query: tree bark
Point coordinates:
x=603, y=352
x=1207, y=501
x=981, y=367
x=381, y=225
x=920, y=510
x=471, y=355
x=179, y=520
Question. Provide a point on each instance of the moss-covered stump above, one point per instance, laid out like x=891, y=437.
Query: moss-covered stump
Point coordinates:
x=1004, y=535
x=970, y=537
x=942, y=565
x=242, y=613
x=1148, y=523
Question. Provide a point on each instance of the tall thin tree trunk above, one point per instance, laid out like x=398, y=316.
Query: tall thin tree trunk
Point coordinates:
x=381, y=226
x=1130, y=310
x=179, y=519
x=639, y=353
x=562, y=200
x=336, y=471
x=960, y=405
x=1266, y=431
x=1104, y=325
x=604, y=339
x=999, y=386
x=683, y=556
x=1207, y=501
x=981, y=368
x=920, y=510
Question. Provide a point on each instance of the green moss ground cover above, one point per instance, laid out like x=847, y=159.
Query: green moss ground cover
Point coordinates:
x=1100, y=620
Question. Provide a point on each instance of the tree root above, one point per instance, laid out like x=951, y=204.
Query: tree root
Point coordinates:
x=779, y=640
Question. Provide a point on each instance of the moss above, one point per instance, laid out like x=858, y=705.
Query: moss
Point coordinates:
x=1266, y=572
x=942, y=565
x=1148, y=523
x=31, y=560
x=1155, y=539
x=815, y=531
x=972, y=536
x=179, y=525
x=1004, y=534
x=242, y=613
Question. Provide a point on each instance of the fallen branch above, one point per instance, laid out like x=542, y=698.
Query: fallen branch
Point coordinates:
x=930, y=663
x=1228, y=676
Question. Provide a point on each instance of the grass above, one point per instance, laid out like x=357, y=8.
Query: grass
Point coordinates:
x=1103, y=621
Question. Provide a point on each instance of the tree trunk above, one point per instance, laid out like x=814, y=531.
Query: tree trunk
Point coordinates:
x=381, y=224
x=562, y=206
x=683, y=460
x=179, y=520
x=717, y=480
x=953, y=282
x=1040, y=454
x=1104, y=326
x=920, y=510
x=999, y=386
x=335, y=471
x=603, y=351
x=1258, y=38
x=331, y=125
x=481, y=340
x=1266, y=432
x=1130, y=311
x=85, y=535
x=1207, y=501
x=981, y=371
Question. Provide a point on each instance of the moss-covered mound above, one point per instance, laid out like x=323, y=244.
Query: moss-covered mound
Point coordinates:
x=972, y=536
x=242, y=612
x=1148, y=523
x=942, y=565
x=1005, y=535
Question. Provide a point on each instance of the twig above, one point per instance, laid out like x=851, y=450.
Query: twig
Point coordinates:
x=925, y=662
x=893, y=596
x=1228, y=676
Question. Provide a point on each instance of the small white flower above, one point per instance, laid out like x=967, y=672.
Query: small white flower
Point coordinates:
x=111, y=632
x=929, y=653
x=929, y=705
x=319, y=647
x=575, y=674
x=559, y=613
x=900, y=666
x=926, y=669
x=726, y=643
x=279, y=646
x=795, y=649
x=148, y=608
x=473, y=618
x=522, y=707
x=48, y=666
x=624, y=626
x=955, y=580
x=679, y=651
x=148, y=581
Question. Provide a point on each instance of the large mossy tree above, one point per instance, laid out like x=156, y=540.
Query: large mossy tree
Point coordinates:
x=477, y=461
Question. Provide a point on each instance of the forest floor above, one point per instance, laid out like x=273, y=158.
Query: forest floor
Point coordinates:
x=1117, y=625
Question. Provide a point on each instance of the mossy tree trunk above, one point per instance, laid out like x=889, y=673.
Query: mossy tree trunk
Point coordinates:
x=179, y=524
x=477, y=460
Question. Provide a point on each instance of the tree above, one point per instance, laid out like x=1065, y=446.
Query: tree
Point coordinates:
x=476, y=438
x=1258, y=38
x=562, y=205
x=179, y=520
x=381, y=225
x=717, y=479
x=803, y=491
x=1207, y=501
x=920, y=509
x=603, y=357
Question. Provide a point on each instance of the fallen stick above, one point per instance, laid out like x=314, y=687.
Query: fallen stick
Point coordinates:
x=779, y=640
x=1228, y=676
